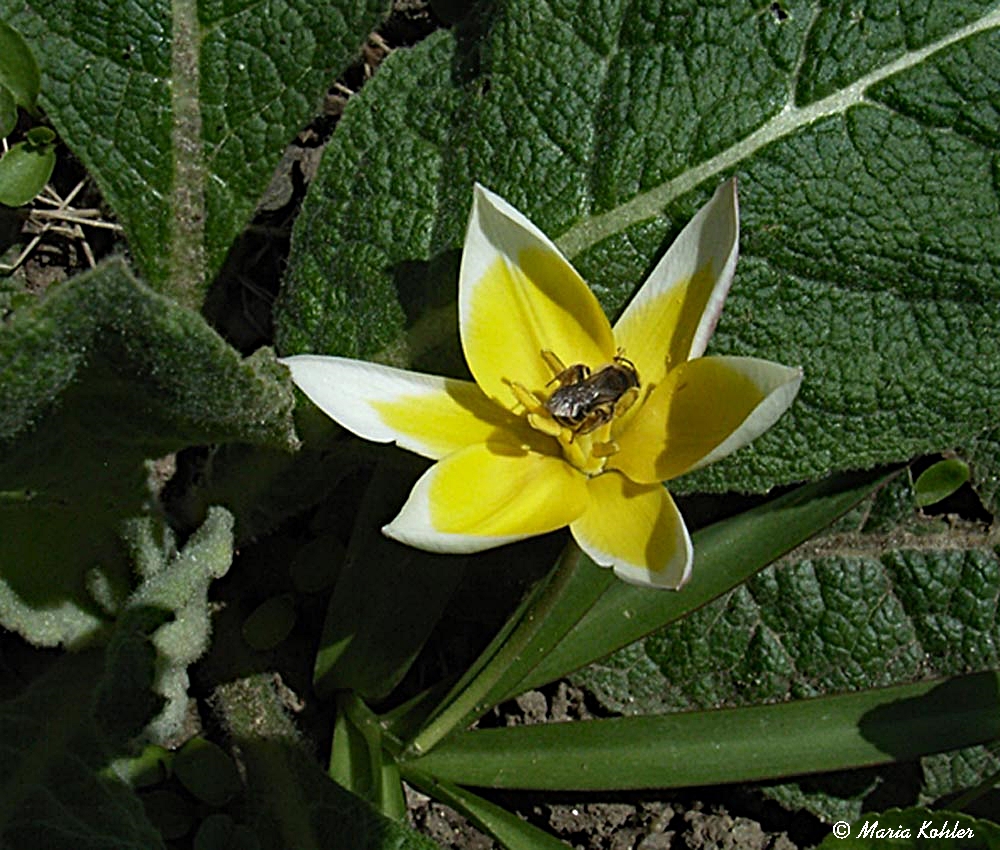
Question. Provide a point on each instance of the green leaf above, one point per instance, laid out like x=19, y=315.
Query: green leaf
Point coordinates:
x=510, y=830
x=864, y=146
x=95, y=378
x=207, y=771
x=906, y=828
x=24, y=171
x=19, y=72
x=728, y=745
x=726, y=554
x=386, y=602
x=983, y=455
x=359, y=760
x=289, y=800
x=964, y=770
x=53, y=792
x=181, y=111
x=939, y=481
x=8, y=112
x=846, y=613
x=176, y=583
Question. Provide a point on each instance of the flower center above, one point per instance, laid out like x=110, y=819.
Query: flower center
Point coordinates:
x=580, y=411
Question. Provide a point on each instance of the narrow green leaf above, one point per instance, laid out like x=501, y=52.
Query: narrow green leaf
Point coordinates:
x=24, y=171
x=359, y=760
x=728, y=745
x=939, y=481
x=19, y=72
x=726, y=554
x=386, y=602
x=503, y=826
x=180, y=111
x=530, y=623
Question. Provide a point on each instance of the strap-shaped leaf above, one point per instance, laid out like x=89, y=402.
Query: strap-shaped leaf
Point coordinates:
x=728, y=745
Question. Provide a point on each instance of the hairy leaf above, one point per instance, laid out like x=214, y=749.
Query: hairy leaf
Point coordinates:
x=96, y=378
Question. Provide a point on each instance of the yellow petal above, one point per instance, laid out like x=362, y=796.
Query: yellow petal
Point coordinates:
x=672, y=316
x=485, y=496
x=519, y=296
x=637, y=529
x=427, y=414
x=704, y=410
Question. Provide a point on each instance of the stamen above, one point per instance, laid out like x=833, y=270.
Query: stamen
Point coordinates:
x=525, y=397
x=546, y=424
x=604, y=449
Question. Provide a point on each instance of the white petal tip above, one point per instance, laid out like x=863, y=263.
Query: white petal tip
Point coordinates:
x=672, y=577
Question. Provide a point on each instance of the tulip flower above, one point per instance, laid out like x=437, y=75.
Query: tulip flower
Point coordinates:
x=570, y=421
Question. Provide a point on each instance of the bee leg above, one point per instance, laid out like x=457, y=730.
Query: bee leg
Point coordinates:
x=628, y=398
x=596, y=418
x=571, y=375
x=564, y=375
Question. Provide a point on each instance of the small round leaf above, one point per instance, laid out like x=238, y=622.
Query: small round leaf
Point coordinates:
x=939, y=481
x=150, y=767
x=18, y=69
x=24, y=171
x=270, y=623
x=221, y=832
x=207, y=772
x=169, y=812
x=40, y=136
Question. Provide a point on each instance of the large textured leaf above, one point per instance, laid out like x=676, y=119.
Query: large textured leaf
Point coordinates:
x=96, y=378
x=181, y=110
x=864, y=141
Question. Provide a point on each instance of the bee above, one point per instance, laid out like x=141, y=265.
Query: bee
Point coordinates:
x=585, y=401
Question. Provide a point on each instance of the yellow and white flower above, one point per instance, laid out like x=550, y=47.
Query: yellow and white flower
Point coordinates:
x=506, y=467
